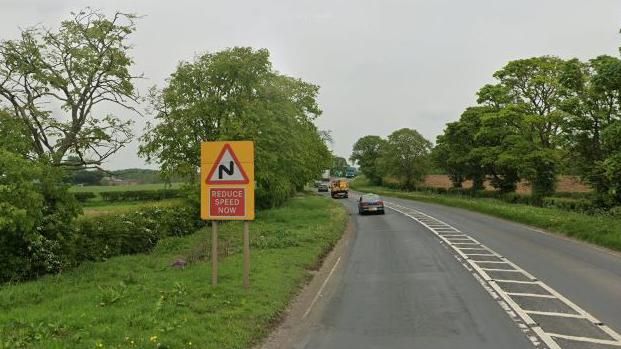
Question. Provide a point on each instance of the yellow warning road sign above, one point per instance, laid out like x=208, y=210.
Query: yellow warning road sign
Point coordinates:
x=227, y=180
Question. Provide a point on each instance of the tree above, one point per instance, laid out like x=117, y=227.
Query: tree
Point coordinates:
x=87, y=177
x=339, y=166
x=406, y=156
x=454, y=149
x=55, y=80
x=534, y=89
x=594, y=111
x=234, y=95
x=13, y=134
x=366, y=152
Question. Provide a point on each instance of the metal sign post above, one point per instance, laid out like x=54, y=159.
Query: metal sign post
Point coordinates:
x=227, y=193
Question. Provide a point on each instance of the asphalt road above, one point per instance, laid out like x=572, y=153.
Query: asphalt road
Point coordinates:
x=429, y=276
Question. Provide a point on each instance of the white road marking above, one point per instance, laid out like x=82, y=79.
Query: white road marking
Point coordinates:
x=536, y=295
x=323, y=285
x=491, y=285
x=586, y=339
x=551, y=313
x=534, y=282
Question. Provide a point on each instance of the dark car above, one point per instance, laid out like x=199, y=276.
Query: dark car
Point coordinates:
x=370, y=203
x=323, y=187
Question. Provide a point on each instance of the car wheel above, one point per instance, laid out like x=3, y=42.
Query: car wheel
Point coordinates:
x=381, y=212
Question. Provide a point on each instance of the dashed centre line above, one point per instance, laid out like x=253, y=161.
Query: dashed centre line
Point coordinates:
x=534, y=298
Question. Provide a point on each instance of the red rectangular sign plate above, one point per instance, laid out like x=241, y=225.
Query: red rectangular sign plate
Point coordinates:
x=227, y=202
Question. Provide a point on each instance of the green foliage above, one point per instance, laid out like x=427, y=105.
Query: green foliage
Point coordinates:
x=13, y=134
x=339, y=166
x=140, y=195
x=455, y=149
x=145, y=176
x=140, y=301
x=234, y=94
x=590, y=131
x=86, y=177
x=366, y=152
x=99, y=238
x=544, y=115
x=405, y=155
x=35, y=215
x=569, y=204
x=80, y=66
x=84, y=196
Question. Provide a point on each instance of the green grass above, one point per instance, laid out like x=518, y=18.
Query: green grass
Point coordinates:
x=102, y=188
x=601, y=230
x=141, y=302
x=98, y=208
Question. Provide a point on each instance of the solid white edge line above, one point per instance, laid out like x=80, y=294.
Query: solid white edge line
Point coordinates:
x=323, y=285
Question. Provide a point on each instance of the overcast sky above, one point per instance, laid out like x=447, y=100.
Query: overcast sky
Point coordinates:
x=381, y=65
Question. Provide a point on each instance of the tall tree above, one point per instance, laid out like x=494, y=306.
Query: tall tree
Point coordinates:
x=454, y=149
x=366, y=152
x=532, y=93
x=406, y=156
x=233, y=95
x=594, y=109
x=54, y=81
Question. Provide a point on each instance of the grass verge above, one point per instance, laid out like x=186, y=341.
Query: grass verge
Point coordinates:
x=601, y=230
x=140, y=301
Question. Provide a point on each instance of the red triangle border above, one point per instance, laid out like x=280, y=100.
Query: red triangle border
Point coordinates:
x=226, y=147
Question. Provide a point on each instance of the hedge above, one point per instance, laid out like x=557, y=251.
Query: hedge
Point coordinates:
x=579, y=202
x=84, y=196
x=140, y=195
x=580, y=205
x=101, y=237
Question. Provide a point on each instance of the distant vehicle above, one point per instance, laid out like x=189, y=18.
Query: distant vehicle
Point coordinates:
x=370, y=203
x=325, y=176
x=339, y=188
x=323, y=187
x=350, y=172
x=316, y=184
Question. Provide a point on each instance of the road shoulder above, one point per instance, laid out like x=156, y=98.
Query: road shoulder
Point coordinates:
x=308, y=305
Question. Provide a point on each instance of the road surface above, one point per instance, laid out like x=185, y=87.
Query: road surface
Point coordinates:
x=429, y=276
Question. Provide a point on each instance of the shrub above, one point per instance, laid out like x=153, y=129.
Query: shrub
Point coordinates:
x=35, y=215
x=99, y=238
x=581, y=205
x=84, y=196
x=273, y=192
x=141, y=195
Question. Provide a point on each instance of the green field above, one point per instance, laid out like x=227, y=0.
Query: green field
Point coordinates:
x=99, y=207
x=140, y=301
x=601, y=230
x=102, y=188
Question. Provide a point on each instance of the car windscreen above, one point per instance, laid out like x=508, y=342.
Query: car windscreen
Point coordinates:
x=370, y=198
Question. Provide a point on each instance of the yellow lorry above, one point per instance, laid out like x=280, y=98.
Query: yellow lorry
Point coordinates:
x=339, y=188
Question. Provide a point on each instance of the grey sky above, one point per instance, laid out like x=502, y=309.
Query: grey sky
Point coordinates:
x=381, y=65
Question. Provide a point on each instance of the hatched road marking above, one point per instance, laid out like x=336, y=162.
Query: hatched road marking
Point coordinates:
x=510, y=301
